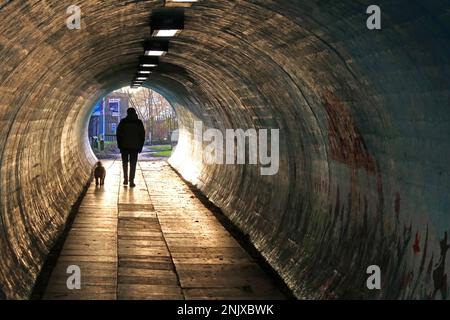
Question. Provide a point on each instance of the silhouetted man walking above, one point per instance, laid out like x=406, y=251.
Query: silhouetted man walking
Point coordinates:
x=130, y=140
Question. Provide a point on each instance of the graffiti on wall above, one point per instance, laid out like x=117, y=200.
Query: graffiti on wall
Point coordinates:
x=357, y=233
x=345, y=141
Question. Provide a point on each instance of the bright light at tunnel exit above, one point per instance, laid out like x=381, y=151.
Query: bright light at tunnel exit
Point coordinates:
x=157, y=114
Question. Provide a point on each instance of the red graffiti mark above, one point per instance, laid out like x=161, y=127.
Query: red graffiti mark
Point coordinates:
x=416, y=245
x=346, y=143
x=325, y=289
x=408, y=279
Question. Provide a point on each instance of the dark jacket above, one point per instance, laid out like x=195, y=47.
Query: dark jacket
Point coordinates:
x=130, y=134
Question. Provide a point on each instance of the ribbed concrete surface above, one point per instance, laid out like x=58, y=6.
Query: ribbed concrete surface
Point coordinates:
x=364, y=121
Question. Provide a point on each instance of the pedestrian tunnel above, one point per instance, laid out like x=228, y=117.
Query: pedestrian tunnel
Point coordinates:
x=362, y=114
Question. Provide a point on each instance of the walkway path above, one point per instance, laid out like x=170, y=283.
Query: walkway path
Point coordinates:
x=156, y=241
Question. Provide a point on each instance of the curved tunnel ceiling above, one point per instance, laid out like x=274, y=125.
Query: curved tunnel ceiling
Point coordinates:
x=363, y=118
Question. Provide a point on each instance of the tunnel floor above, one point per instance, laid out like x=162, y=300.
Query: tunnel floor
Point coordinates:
x=156, y=241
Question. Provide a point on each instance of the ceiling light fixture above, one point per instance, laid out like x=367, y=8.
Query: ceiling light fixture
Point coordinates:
x=155, y=48
x=166, y=33
x=155, y=53
x=167, y=23
x=148, y=62
x=180, y=3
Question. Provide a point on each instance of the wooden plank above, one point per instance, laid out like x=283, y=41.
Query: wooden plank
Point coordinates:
x=127, y=250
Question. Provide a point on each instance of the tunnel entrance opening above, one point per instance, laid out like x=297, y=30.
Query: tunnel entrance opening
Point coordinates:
x=159, y=119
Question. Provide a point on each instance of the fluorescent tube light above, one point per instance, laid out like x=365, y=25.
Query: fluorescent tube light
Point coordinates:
x=155, y=53
x=166, y=33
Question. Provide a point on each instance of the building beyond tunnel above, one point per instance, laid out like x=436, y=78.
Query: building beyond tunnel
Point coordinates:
x=107, y=114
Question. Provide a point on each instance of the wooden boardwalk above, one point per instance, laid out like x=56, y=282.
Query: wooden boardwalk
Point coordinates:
x=156, y=241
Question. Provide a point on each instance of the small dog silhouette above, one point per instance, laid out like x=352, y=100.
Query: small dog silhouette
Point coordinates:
x=99, y=174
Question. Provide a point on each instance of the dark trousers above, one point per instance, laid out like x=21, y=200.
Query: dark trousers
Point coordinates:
x=131, y=157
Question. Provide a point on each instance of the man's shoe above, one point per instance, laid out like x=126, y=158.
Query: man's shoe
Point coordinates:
x=125, y=182
x=132, y=185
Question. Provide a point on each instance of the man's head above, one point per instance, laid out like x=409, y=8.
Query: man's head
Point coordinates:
x=131, y=112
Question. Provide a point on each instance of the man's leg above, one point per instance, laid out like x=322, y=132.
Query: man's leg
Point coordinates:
x=133, y=163
x=125, y=167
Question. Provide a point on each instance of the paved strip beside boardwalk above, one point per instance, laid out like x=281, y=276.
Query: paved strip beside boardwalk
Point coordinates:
x=155, y=241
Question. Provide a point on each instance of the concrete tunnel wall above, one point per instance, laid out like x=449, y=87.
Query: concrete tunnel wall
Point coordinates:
x=363, y=118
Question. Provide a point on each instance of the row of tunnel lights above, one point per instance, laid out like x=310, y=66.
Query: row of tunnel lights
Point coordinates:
x=164, y=25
